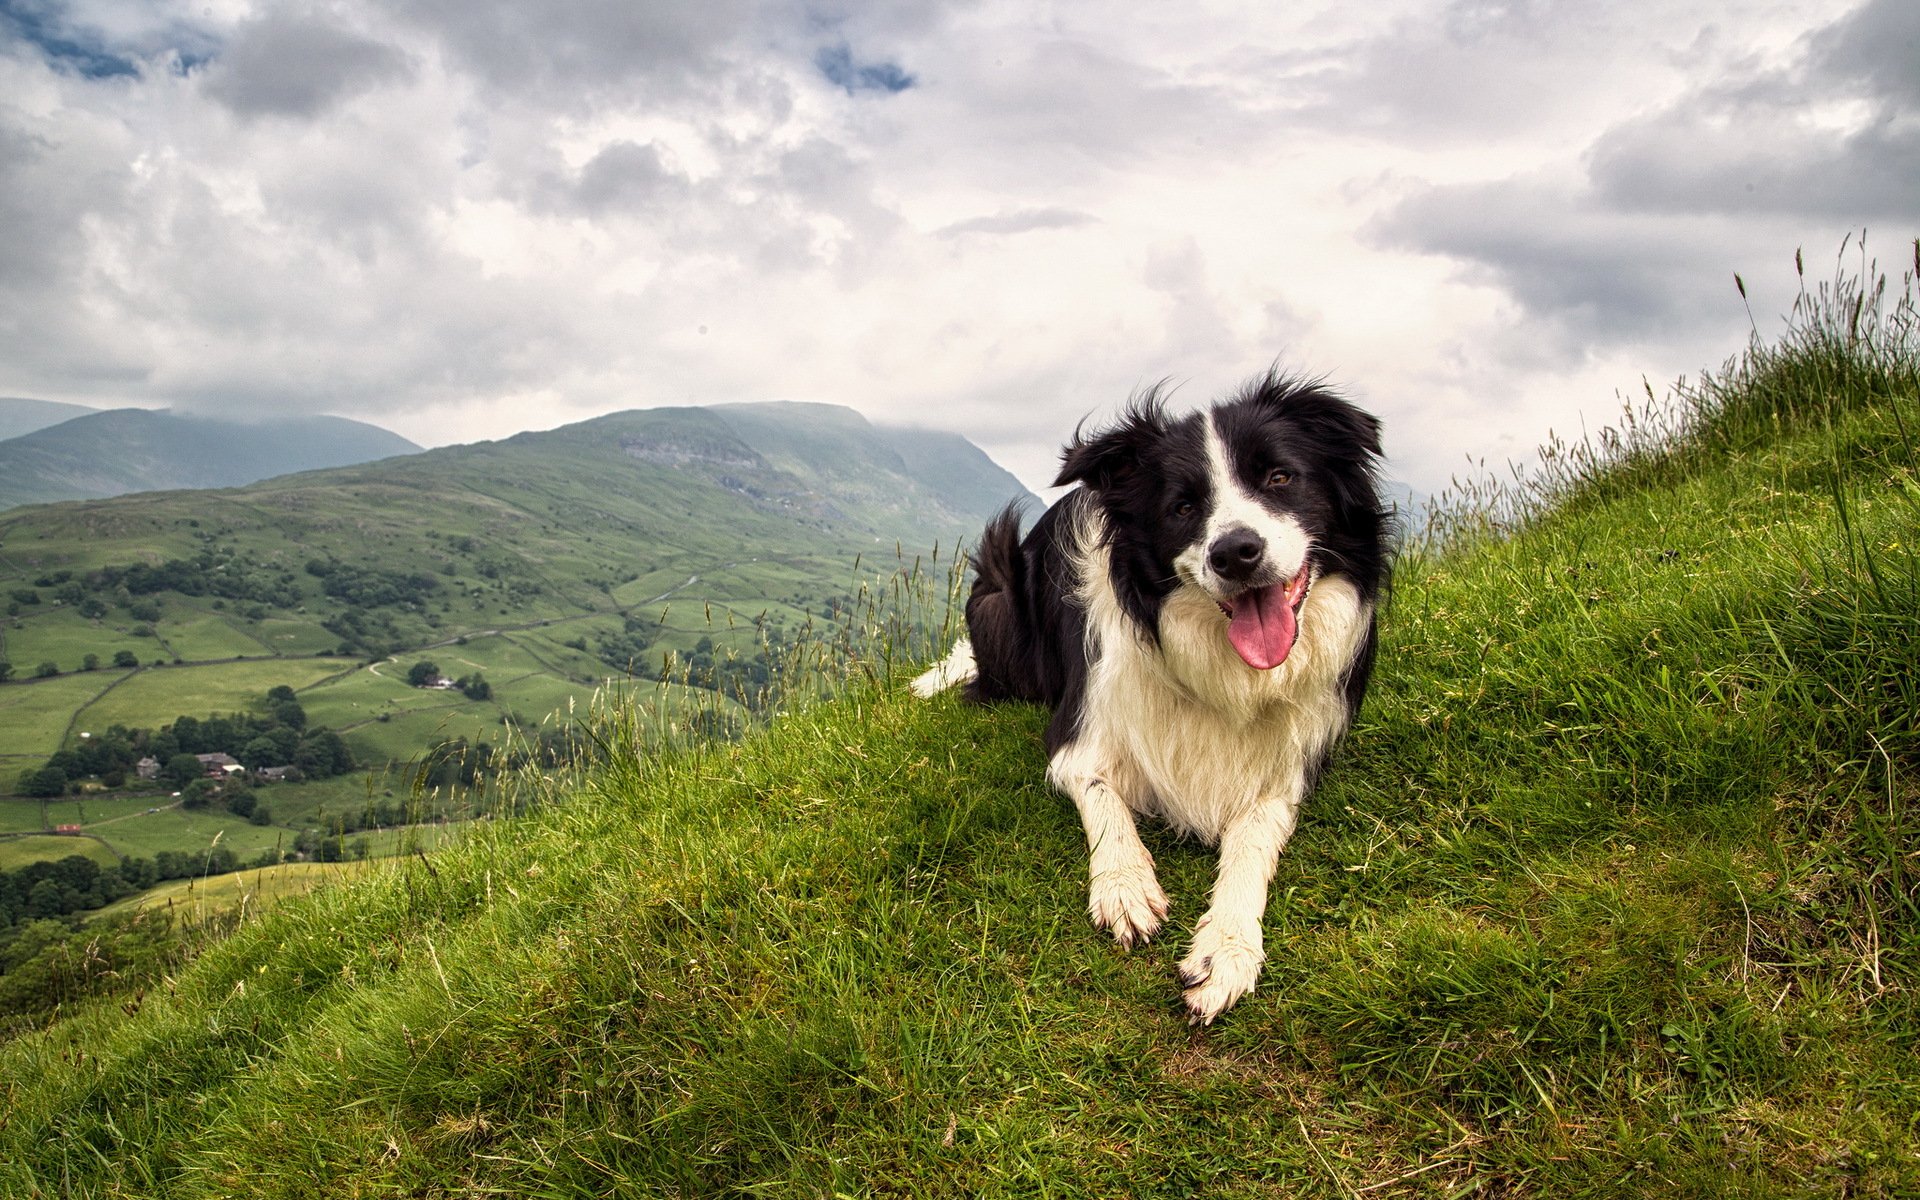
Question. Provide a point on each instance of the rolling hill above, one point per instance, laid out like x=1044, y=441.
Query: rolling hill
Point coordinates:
x=122, y=450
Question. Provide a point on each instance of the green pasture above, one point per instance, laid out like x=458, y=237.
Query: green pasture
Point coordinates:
x=34, y=714
x=17, y=852
x=156, y=696
x=191, y=831
x=292, y=636
x=60, y=635
x=201, y=635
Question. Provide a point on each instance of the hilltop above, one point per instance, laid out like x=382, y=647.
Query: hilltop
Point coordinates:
x=19, y=415
x=1611, y=893
x=126, y=450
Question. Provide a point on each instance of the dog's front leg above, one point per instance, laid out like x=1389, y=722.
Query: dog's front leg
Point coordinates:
x=1227, y=946
x=1123, y=893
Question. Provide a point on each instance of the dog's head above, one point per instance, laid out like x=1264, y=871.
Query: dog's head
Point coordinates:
x=1249, y=503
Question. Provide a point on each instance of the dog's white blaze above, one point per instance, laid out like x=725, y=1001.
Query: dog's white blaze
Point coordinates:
x=1234, y=506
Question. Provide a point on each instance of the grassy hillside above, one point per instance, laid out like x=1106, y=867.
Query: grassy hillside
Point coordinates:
x=1612, y=892
x=135, y=450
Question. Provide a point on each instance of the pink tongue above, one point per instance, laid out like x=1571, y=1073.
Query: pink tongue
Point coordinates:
x=1262, y=627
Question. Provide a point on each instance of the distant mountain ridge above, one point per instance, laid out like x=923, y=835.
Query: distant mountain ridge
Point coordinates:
x=117, y=451
x=20, y=416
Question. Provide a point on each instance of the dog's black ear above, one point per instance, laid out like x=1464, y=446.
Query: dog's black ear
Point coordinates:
x=1321, y=412
x=1112, y=455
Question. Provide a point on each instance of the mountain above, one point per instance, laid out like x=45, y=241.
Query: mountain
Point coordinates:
x=19, y=416
x=123, y=450
x=548, y=560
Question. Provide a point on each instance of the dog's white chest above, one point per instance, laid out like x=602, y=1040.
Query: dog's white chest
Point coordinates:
x=1191, y=734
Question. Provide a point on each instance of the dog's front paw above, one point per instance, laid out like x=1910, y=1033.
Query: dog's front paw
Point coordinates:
x=1127, y=900
x=1222, y=967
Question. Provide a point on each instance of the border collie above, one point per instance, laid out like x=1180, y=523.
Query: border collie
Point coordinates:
x=1199, y=615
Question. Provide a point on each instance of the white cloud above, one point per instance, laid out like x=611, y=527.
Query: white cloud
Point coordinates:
x=464, y=219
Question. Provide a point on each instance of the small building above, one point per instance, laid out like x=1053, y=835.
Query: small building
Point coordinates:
x=274, y=774
x=147, y=768
x=67, y=830
x=219, y=766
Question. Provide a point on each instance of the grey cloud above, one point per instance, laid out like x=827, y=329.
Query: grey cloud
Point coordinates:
x=1877, y=45
x=625, y=176
x=1639, y=240
x=299, y=65
x=1021, y=220
x=1746, y=146
x=576, y=49
x=52, y=190
x=1596, y=274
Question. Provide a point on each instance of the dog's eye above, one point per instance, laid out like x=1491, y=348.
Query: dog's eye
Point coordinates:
x=1183, y=508
x=1278, y=478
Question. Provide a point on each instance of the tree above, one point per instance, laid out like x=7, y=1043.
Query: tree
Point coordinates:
x=47, y=900
x=90, y=663
x=46, y=670
x=182, y=769
x=125, y=658
x=6, y=670
x=422, y=673
x=45, y=782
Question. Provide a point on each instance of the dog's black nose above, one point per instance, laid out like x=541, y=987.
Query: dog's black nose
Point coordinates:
x=1235, y=555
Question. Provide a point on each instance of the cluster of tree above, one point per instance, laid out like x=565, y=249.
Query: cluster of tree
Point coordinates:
x=215, y=571
x=629, y=650
x=275, y=735
x=77, y=883
x=230, y=794
x=51, y=962
x=373, y=587
x=367, y=632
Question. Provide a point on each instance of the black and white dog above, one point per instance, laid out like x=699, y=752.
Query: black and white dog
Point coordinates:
x=1200, y=616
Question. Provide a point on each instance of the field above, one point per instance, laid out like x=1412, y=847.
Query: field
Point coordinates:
x=16, y=852
x=201, y=690
x=1611, y=893
x=36, y=715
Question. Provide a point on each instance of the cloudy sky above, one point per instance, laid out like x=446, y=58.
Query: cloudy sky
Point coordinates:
x=464, y=218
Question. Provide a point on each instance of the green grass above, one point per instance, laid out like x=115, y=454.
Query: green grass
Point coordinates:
x=16, y=852
x=36, y=714
x=192, y=831
x=1612, y=892
x=197, y=635
x=60, y=635
x=199, y=690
